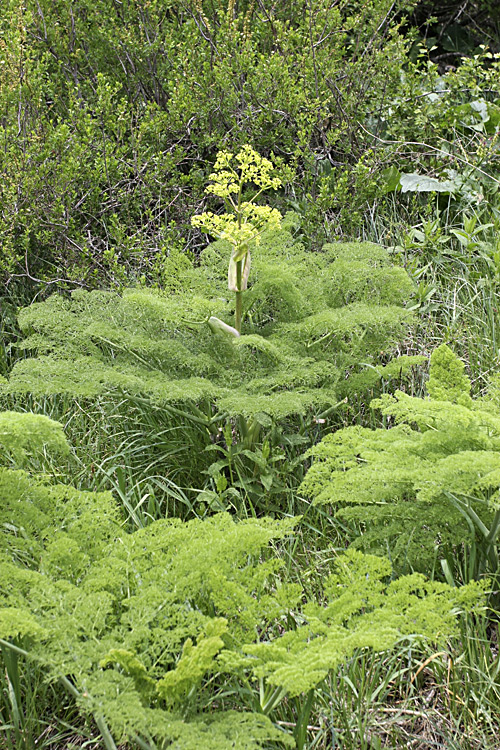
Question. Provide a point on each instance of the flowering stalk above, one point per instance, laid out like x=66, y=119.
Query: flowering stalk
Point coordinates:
x=245, y=220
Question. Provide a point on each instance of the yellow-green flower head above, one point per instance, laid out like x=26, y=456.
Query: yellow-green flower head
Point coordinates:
x=253, y=221
x=250, y=167
x=248, y=220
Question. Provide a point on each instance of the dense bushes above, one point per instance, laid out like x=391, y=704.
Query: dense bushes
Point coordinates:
x=112, y=112
x=146, y=596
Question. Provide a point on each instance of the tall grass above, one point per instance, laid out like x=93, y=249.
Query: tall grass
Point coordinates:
x=35, y=714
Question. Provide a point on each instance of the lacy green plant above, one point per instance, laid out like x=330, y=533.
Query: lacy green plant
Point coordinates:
x=161, y=633
x=247, y=220
x=315, y=327
x=426, y=487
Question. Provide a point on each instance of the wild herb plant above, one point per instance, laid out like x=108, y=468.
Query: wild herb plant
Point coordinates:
x=160, y=634
x=247, y=220
x=425, y=487
x=315, y=325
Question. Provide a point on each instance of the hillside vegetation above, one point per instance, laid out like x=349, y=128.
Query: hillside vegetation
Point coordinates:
x=249, y=375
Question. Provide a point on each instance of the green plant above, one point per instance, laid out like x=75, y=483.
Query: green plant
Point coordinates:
x=315, y=327
x=137, y=626
x=106, y=151
x=35, y=713
x=147, y=629
x=424, y=486
x=247, y=221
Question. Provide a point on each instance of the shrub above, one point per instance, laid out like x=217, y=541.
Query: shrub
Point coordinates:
x=108, y=121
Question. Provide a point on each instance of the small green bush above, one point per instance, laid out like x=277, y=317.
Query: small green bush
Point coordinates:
x=317, y=328
x=309, y=321
x=427, y=485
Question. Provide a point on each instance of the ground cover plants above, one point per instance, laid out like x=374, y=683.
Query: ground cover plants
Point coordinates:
x=308, y=334
x=103, y=610
x=138, y=626
x=428, y=485
x=249, y=385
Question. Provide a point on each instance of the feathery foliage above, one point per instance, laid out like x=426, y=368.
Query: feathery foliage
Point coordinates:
x=23, y=433
x=314, y=328
x=137, y=625
x=426, y=485
x=312, y=323
x=305, y=328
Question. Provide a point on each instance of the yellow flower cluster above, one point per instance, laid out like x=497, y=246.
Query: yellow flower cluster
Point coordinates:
x=246, y=220
x=251, y=167
x=239, y=230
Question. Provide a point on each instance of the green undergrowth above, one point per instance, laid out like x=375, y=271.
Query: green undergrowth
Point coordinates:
x=318, y=330
x=124, y=624
x=310, y=320
x=186, y=634
x=425, y=486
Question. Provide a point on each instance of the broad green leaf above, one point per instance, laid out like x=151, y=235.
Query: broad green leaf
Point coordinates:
x=417, y=183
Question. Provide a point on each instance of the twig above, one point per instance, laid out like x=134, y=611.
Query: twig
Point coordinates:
x=432, y=148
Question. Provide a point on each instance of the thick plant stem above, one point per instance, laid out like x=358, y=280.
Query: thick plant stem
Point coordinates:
x=239, y=297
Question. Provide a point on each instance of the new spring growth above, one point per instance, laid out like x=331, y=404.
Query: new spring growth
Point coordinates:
x=244, y=220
